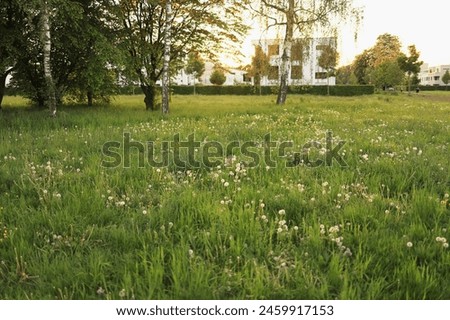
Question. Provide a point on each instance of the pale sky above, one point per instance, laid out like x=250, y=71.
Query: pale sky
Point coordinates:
x=423, y=23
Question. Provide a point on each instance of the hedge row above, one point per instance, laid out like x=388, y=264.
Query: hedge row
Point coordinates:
x=249, y=90
x=340, y=90
x=433, y=88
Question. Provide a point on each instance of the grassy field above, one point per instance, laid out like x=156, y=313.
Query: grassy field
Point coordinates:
x=376, y=228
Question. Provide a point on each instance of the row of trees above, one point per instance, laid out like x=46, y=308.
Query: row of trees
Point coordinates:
x=383, y=65
x=53, y=48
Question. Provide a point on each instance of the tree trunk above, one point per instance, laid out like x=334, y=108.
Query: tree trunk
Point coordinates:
x=195, y=92
x=90, y=97
x=328, y=84
x=285, y=66
x=166, y=65
x=2, y=87
x=47, y=46
x=409, y=84
x=150, y=96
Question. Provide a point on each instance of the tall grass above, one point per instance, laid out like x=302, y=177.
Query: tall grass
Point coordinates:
x=374, y=229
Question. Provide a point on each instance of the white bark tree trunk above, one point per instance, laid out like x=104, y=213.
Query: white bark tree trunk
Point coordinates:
x=166, y=65
x=46, y=50
x=285, y=66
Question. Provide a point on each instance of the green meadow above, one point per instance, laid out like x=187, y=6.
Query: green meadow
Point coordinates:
x=74, y=227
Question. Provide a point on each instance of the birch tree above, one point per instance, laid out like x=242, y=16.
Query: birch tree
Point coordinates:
x=46, y=50
x=299, y=18
x=166, y=67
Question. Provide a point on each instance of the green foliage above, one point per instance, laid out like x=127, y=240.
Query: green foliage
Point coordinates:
x=361, y=67
x=446, y=77
x=387, y=74
x=260, y=65
x=218, y=77
x=345, y=76
x=410, y=64
x=328, y=58
x=432, y=88
x=267, y=90
x=386, y=50
x=195, y=65
x=83, y=53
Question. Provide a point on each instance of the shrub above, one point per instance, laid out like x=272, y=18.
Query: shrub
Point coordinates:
x=218, y=77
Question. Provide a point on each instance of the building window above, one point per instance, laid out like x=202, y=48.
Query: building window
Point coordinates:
x=321, y=75
x=274, y=50
x=436, y=78
x=273, y=73
x=296, y=73
x=321, y=47
x=297, y=52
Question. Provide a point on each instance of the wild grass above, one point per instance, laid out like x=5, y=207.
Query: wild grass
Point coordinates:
x=374, y=229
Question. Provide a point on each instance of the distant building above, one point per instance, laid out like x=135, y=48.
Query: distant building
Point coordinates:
x=305, y=55
x=432, y=76
x=233, y=77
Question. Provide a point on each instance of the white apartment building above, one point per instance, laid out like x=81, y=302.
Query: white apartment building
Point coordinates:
x=305, y=55
x=432, y=76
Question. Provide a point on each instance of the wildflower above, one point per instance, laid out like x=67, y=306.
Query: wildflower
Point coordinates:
x=441, y=239
x=282, y=212
x=445, y=245
x=144, y=212
x=100, y=291
x=409, y=244
x=348, y=252
x=122, y=293
x=226, y=184
x=191, y=253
